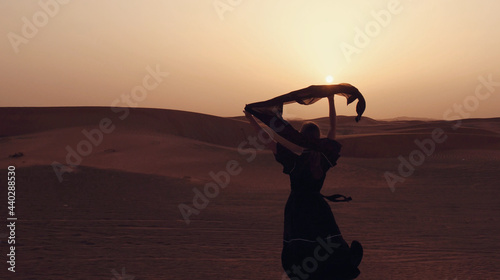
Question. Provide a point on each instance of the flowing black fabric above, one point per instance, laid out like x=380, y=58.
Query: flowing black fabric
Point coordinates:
x=338, y=198
x=308, y=219
x=270, y=111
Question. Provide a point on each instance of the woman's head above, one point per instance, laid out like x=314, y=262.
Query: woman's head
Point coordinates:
x=310, y=130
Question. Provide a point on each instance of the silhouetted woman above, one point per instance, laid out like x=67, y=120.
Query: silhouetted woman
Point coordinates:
x=313, y=247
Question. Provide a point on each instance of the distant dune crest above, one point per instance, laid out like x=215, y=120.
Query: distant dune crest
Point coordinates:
x=369, y=138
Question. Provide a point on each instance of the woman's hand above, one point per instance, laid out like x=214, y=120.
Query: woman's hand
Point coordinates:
x=252, y=121
x=271, y=144
x=247, y=115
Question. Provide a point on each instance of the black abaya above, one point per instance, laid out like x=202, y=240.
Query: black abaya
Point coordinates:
x=312, y=243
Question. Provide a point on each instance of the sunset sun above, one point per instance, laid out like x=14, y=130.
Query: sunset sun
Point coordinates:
x=329, y=79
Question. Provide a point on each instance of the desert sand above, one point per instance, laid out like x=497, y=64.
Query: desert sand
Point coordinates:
x=115, y=215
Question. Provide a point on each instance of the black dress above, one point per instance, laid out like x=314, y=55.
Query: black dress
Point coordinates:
x=313, y=247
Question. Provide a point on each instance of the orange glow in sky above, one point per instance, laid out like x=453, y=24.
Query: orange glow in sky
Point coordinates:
x=409, y=58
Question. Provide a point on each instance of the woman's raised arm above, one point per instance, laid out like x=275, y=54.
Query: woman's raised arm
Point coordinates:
x=272, y=144
x=333, y=119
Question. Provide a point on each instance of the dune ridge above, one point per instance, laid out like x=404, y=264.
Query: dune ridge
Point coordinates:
x=368, y=138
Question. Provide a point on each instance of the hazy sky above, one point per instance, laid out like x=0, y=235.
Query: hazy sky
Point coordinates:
x=409, y=58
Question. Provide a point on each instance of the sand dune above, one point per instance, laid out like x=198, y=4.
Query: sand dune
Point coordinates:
x=119, y=207
x=211, y=129
x=369, y=138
